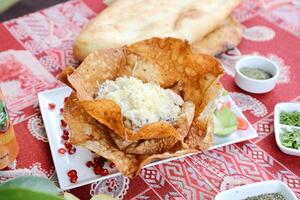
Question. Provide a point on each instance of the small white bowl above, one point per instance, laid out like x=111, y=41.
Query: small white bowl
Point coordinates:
x=254, y=85
x=255, y=189
x=287, y=107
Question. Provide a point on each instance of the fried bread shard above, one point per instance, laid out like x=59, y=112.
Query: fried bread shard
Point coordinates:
x=150, y=100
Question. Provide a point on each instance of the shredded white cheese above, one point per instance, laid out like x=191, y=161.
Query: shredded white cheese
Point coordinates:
x=142, y=103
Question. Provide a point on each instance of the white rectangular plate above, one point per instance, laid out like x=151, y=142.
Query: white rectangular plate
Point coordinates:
x=63, y=163
x=285, y=107
x=255, y=189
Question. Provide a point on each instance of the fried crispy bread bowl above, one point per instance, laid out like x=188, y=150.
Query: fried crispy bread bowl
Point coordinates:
x=98, y=124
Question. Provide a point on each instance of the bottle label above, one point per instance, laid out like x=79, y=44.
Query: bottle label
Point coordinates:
x=4, y=119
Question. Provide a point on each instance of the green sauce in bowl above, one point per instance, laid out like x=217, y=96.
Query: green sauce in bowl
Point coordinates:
x=255, y=73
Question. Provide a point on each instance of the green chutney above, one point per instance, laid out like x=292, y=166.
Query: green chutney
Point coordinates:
x=255, y=73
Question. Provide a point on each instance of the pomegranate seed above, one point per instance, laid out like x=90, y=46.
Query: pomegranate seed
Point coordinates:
x=65, y=137
x=99, y=161
x=72, y=151
x=61, y=110
x=73, y=179
x=68, y=145
x=73, y=176
x=112, y=165
x=51, y=106
x=61, y=150
x=66, y=132
x=104, y=172
x=72, y=173
x=89, y=164
x=63, y=123
x=65, y=99
x=97, y=170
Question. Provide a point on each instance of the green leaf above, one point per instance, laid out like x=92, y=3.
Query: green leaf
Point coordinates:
x=1, y=105
x=32, y=183
x=290, y=138
x=24, y=194
x=225, y=121
x=6, y=4
x=290, y=118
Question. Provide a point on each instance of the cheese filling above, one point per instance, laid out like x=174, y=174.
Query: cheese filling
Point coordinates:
x=142, y=103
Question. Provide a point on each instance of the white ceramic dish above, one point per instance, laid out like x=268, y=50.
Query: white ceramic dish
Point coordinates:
x=255, y=189
x=288, y=107
x=77, y=161
x=253, y=85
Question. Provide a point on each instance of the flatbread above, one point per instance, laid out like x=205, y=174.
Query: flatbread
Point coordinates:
x=220, y=40
x=128, y=21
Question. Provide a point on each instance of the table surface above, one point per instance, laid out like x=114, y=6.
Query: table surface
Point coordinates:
x=36, y=47
x=26, y=6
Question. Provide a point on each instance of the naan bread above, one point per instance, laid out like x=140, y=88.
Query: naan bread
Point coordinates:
x=128, y=21
x=223, y=38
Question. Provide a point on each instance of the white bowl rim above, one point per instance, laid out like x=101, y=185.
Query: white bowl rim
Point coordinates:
x=277, y=125
x=258, y=184
x=256, y=57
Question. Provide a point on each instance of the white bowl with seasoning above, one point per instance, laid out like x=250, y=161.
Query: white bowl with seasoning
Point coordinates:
x=256, y=189
x=256, y=74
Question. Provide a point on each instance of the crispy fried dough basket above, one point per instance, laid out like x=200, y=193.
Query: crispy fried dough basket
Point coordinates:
x=97, y=124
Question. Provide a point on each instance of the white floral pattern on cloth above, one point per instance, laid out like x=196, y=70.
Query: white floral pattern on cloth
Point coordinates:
x=49, y=34
x=17, y=116
x=25, y=79
x=283, y=13
x=116, y=186
x=34, y=170
x=229, y=58
x=142, y=196
x=284, y=75
x=36, y=127
x=247, y=10
x=246, y=102
x=264, y=127
x=235, y=181
x=258, y=33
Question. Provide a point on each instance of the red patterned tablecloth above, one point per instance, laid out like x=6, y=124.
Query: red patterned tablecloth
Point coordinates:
x=37, y=46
